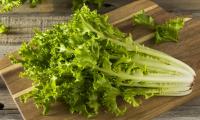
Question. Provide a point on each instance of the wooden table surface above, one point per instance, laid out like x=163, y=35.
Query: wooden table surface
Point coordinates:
x=189, y=111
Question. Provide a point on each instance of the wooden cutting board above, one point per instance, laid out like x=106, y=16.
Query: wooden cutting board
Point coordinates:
x=187, y=50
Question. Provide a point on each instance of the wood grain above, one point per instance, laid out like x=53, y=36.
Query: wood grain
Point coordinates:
x=9, y=112
x=5, y=97
x=10, y=115
x=179, y=5
x=150, y=108
x=188, y=111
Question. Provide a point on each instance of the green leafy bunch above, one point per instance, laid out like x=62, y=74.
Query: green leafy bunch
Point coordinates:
x=32, y=3
x=168, y=31
x=3, y=28
x=79, y=3
x=88, y=64
x=8, y=5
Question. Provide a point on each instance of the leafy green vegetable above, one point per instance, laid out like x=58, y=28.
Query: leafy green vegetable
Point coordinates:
x=143, y=19
x=3, y=28
x=8, y=5
x=33, y=3
x=77, y=4
x=87, y=64
x=169, y=31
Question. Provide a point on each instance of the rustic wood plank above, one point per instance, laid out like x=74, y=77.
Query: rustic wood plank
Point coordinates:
x=180, y=112
x=6, y=99
x=179, y=5
x=10, y=115
x=10, y=110
x=195, y=102
x=189, y=111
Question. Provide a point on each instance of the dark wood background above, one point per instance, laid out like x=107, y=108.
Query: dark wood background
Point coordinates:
x=55, y=11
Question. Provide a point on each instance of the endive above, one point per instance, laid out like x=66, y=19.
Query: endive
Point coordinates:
x=86, y=63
